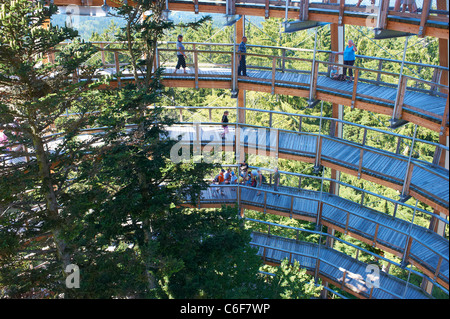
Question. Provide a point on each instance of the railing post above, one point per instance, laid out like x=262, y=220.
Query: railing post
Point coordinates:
x=401, y=89
x=274, y=67
x=102, y=52
x=317, y=161
x=407, y=180
x=196, y=66
x=355, y=86
x=380, y=67
x=116, y=62
x=374, y=243
x=361, y=153
x=283, y=60
x=314, y=72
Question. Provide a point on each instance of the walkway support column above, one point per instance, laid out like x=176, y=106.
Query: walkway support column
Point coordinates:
x=240, y=103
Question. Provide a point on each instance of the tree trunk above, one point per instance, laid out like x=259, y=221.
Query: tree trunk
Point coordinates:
x=50, y=198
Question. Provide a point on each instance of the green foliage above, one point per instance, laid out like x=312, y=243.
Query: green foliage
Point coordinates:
x=292, y=282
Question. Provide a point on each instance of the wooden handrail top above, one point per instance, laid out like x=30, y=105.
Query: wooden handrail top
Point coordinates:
x=270, y=47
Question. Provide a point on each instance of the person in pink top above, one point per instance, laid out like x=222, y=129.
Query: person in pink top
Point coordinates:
x=3, y=139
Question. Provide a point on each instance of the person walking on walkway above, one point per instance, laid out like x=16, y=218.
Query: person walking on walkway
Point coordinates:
x=224, y=124
x=276, y=180
x=349, y=58
x=242, y=63
x=180, y=55
x=259, y=181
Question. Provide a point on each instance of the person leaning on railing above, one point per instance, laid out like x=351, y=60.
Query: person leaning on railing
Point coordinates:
x=349, y=58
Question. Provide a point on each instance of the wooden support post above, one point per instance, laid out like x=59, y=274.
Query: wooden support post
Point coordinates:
x=380, y=68
x=265, y=201
x=319, y=213
x=438, y=268
x=343, y=278
x=341, y=12
x=400, y=98
x=382, y=15
x=317, y=161
x=116, y=62
x=361, y=153
x=355, y=87
x=407, y=251
x=303, y=10
x=374, y=243
x=292, y=207
x=314, y=80
x=195, y=6
x=346, y=223
x=274, y=68
x=266, y=9
x=424, y=17
x=443, y=134
x=196, y=67
x=361, y=156
x=283, y=60
x=102, y=52
x=407, y=181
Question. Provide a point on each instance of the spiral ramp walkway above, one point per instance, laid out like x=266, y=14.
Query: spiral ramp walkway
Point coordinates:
x=426, y=182
x=369, y=163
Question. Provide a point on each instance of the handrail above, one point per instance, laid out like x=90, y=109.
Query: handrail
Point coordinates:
x=274, y=146
x=383, y=152
x=404, y=251
x=101, y=129
x=307, y=116
x=407, y=233
x=358, y=248
x=280, y=57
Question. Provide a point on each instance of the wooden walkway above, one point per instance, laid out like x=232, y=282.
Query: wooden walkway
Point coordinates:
x=429, y=183
x=426, y=109
x=421, y=247
x=335, y=267
x=424, y=23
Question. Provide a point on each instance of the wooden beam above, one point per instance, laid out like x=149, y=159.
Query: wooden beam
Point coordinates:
x=355, y=86
x=424, y=17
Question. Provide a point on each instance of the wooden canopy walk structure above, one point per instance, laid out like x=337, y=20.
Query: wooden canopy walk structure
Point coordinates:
x=414, y=244
x=404, y=97
x=424, y=181
x=427, y=21
x=333, y=267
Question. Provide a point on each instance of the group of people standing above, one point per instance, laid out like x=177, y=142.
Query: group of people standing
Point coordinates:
x=252, y=178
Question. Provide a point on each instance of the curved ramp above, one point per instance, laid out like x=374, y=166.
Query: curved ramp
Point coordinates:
x=335, y=267
x=415, y=244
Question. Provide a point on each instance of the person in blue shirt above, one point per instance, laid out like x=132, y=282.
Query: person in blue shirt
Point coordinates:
x=349, y=58
x=242, y=63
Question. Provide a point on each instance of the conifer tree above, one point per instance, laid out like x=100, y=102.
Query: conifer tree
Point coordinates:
x=35, y=164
